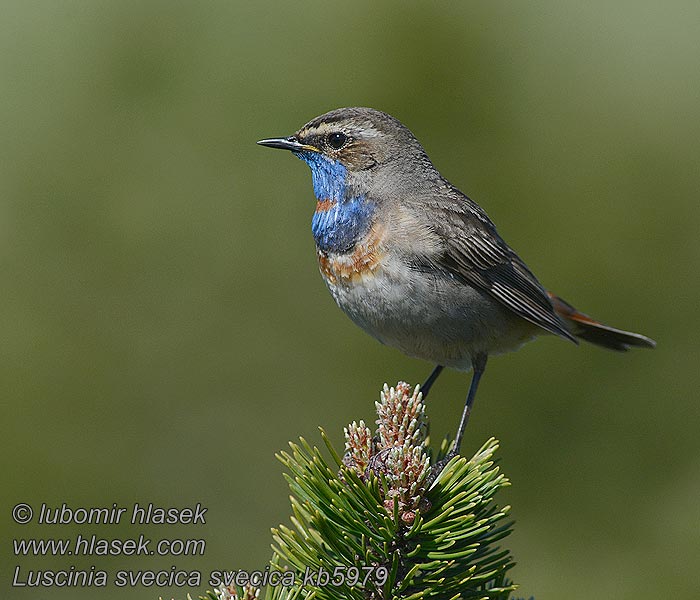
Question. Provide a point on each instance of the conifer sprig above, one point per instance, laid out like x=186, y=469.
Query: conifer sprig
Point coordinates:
x=370, y=526
x=370, y=513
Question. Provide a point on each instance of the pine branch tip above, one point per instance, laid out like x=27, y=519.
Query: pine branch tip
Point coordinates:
x=379, y=508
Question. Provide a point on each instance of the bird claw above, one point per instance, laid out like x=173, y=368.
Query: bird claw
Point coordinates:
x=439, y=466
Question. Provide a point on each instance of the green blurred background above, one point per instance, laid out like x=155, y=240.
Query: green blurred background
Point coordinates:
x=164, y=330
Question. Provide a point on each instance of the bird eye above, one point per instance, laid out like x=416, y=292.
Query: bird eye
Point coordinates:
x=337, y=140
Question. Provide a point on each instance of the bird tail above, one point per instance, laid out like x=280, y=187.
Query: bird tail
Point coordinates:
x=590, y=330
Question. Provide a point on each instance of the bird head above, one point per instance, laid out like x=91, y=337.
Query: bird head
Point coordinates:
x=349, y=148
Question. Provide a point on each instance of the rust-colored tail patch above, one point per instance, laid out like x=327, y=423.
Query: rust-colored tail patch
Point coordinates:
x=595, y=332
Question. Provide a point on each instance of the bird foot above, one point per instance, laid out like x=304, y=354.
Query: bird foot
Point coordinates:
x=438, y=467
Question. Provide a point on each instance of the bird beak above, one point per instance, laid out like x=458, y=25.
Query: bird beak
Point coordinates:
x=288, y=143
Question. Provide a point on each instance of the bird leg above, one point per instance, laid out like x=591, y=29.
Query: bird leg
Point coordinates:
x=479, y=365
x=425, y=388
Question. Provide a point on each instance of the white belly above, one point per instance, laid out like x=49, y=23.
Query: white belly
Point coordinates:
x=426, y=316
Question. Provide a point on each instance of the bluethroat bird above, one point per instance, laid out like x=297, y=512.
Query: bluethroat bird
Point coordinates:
x=414, y=261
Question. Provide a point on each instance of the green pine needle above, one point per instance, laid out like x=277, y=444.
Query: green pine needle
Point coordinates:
x=364, y=526
x=340, y=521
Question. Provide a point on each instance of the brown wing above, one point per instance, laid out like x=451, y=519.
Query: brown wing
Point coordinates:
x=474, y=253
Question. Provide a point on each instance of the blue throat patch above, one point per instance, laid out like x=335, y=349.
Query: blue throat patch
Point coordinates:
x=339, y=221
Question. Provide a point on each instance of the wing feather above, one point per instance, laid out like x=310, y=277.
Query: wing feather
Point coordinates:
x=473, y=252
